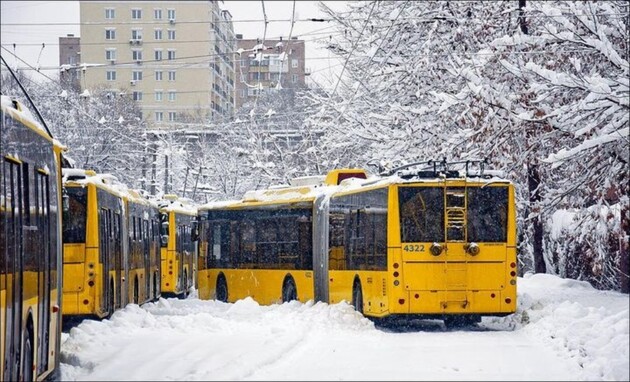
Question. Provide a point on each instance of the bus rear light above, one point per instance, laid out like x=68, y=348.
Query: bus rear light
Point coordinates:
x=396, y=282
x=416, y=295
x=395, y=265
x=512, y=265
x=86, y=301
x=512, y=273
x=167, y=284
x=492, y=295
x=91, y=283
x=512, y=282
x=396, y=274
x=401, y=301
x=170, y=272
x=508, y=300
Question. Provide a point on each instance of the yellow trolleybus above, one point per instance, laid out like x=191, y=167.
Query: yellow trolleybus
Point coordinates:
x=30, y=243
x=178, y=218
x=111, y=245
x=427, y=243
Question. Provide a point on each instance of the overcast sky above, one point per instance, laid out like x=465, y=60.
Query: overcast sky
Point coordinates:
x=45, y=21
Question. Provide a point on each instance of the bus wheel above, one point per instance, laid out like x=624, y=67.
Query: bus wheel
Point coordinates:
x=27, y=362
x=357, y=297
x=221, y=290
x=289, y=291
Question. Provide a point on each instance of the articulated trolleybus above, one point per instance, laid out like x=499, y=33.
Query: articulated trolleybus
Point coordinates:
x=111, y=239
x=427, y=243
x=30, y=242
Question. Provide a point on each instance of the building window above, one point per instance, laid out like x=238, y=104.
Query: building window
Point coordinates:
x=294, y=78
x=110, y=13
x=136, y=75
x=110, y=54
x=111, y=75
x=171, y=75
x=171, y=34
x=159, y=116
x=294, y=63
x=171, y=54
x=158, y=75
x=110, y=34
x=136, y=14
x=137, y=96
x=136, y=34
x=158, y=95
x=158, y=55
x=157, y=14
x=171, y=14
x=172, y=116
x=158, y=34
x=242, y=93
x=243, y=62
x=136, y=55
x=171, y=95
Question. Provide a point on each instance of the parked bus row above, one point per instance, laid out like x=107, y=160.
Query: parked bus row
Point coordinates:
x=428, y=240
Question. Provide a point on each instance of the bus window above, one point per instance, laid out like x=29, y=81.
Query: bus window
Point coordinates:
x=421, y=214
x=487, y=214
x=75, y=217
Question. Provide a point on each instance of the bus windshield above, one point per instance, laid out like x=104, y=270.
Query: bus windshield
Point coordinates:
x=74, y=219
x=487, y=214
x=421, y=214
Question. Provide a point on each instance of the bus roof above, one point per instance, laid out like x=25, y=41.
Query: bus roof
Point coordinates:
x=21, y=113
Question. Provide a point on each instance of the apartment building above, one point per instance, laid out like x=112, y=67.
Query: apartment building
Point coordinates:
x=261, y=66
x=173, y=57
x=69, y=58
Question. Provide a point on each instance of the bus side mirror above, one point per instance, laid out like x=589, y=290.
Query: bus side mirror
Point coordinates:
x=194, y=232
x=65, y=201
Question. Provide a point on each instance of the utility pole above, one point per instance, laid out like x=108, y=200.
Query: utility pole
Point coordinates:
x=166, y=174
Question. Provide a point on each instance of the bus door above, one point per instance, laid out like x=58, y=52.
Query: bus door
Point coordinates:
x=106, y=292
x=12, y=268
x=45, y=234
x=456, y=263
x=116, y=242
x=179, y=256
x=147, y=258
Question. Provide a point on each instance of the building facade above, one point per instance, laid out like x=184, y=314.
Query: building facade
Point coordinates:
x=276, y=64
x=69, y=58
x=173, y=57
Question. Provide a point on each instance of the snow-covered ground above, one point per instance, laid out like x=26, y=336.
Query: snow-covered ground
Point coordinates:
x=563, y=330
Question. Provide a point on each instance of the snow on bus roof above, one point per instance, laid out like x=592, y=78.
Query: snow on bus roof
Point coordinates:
x=172, y=203
x=21, y=113
x=309, y=192
x=106, y=181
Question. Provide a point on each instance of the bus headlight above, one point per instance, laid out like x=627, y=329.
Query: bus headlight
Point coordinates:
x=436, y=249
x=472, y=249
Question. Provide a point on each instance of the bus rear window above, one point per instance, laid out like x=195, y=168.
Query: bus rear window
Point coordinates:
x=421, y=214
x=75, y=218
x=487, y=214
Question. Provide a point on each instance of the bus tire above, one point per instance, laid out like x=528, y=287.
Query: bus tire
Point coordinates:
x=26, y=372
x=289, y=291
x=221, y=291
x=357, y=296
